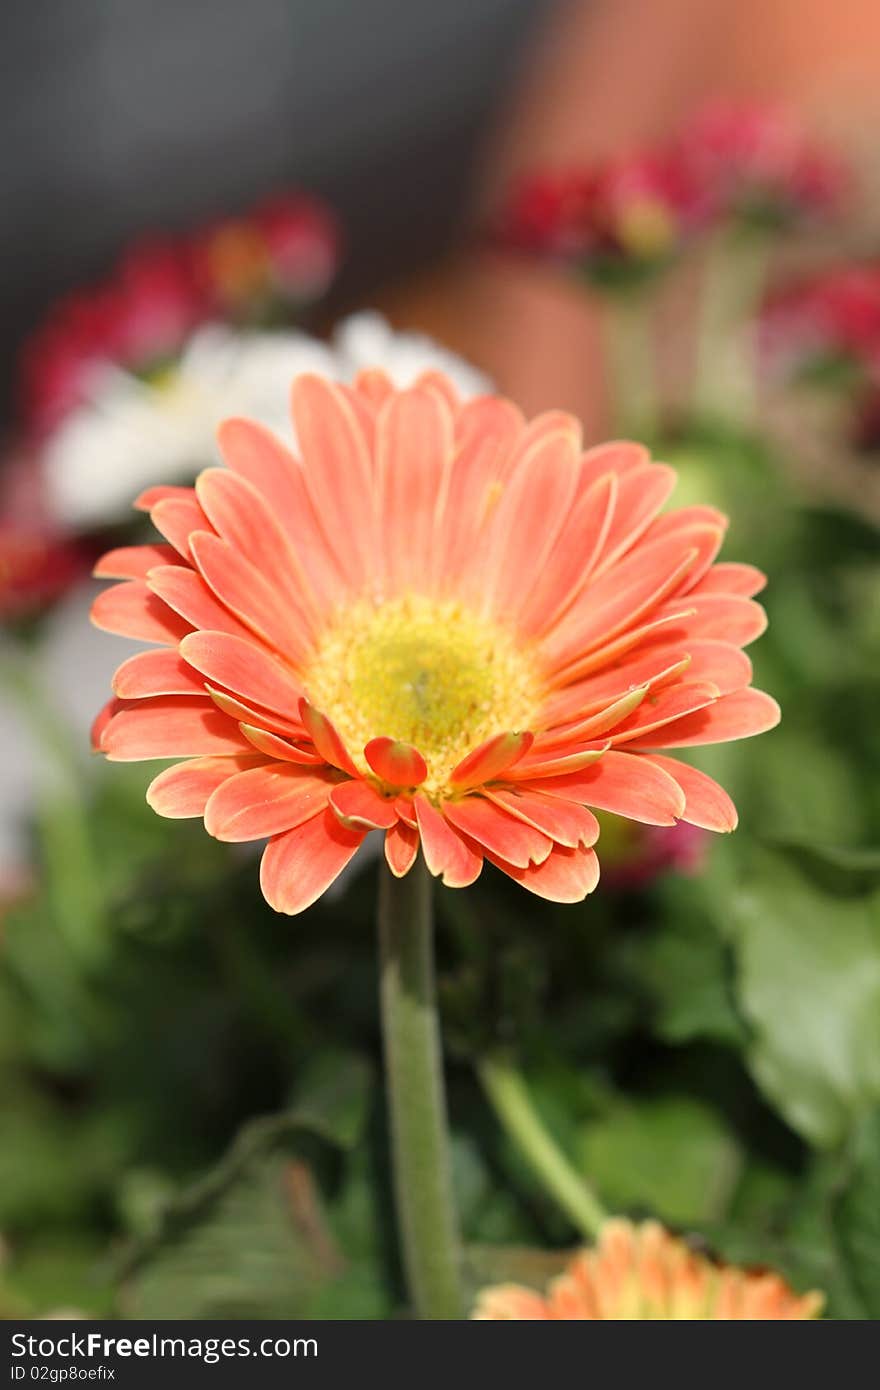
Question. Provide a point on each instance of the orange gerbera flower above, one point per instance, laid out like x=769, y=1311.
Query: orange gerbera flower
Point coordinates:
x=438, y=621
x=645, y=1272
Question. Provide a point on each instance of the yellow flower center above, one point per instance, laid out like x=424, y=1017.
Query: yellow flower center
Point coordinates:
x=646, y=229
x=426, y=672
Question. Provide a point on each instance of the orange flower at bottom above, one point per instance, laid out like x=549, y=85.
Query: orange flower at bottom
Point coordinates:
x=644, y=1272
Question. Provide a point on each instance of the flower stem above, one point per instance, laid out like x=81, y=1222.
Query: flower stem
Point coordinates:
x=417, y=1107
x=631, y=363
x=734, y=279
x=512, y=1103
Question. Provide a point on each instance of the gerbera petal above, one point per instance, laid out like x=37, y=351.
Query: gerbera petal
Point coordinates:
x=596, y=724
x=641, y=493
x=624, y=595
x=511, y=839
x=740, y=715
x=565, y=876
x=414, y=447
x=546, y=424
x=511, y=1303
x=720, y=617
x=572, y=705
x=373, y=385
x=170, y=726
x=326, y=739
x=181, y=792
x=267, y=800
x=725, y=665
x=240, y=586
x=132, y=610
x=566, y=822
x=162, y=672
x=730, y=577
x=274, y=746
x=244, y=713
x=176, y=518
x=101, y=720
x=618, y=456
x=361, y=807
x=239, y=514
x=624, y=783
x=486, y=430
x=665, y=708
x=490, y=760
x=401, y=848
x=447, y=854
x=580, y=540
x=489, y=418
x=244, y=668
x=396, y=763
x=406, y=811
x=188, y=594
x=706, y=804
x=298, y=866
x=530, y=514
x=658, y=665
x=257, y=455
x=338, y=469
x=151, y=496
x=554, y=762
x=634, y=642
x=133, y=561
x=431, y=379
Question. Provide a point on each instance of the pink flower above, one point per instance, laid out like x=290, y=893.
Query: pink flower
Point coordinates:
x=142, y=315
x=635, y=855
x=286, y=250
x=754, y=162
x=36, y=568
x=627, y=215
x=835, y=315
x=139, y=316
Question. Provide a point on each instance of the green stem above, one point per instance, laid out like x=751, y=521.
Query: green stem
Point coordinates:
x=734, y=276
x=512, y=1103
x=631, y=363
x=417, y=1108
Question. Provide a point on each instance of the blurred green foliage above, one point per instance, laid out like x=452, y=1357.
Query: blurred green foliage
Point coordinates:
x=190, y=1095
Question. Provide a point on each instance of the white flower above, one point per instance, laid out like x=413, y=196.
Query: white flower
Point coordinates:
x=134, y=433
x=367, y=340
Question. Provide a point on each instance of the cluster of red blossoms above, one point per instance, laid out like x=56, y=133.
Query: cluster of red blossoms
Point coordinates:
x=268, y=263
x=35, y=568
x=827, y=328
x=733, y=164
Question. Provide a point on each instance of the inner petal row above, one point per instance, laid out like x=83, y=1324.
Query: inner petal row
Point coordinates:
x=427, y=672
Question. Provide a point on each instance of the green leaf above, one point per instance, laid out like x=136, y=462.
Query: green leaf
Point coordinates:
x=857, y=1218
x=672, y=1156
x=253, y=1237
x=333, y=1097
x=808, y=982
x=687, y=969
x=254, y=1248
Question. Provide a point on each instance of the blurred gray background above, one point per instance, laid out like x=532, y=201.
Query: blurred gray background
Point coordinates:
x=123, y=116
